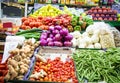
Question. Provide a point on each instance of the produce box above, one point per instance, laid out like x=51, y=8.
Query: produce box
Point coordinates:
x=56, y=50
x=60, y=62
x=97, y=65
x=113, y=23
x=20, y=66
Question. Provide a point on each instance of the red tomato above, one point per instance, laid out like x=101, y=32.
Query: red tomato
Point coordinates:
x=23, y=27
x=23, y=19
x=37, y=24
x=32, y=24
x=26, y=23
x=40, y=17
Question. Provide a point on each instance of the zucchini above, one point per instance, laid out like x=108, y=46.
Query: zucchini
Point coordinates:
x=28, y=31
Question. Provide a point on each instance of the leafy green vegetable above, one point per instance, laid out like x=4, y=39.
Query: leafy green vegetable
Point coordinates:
x=96, y=65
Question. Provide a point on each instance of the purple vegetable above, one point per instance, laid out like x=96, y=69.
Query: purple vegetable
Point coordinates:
x=57, y=37
x=48, y=32
x=64, y=32
x=51, y=36
x=49, y=39
x=50, y=44
x=43, y=42
x=44, y=33
x=54, y=32
x=69, y=37
x=67, y=43
x=58, y=27
x=43, y=36
x=51, y=28
x=58, y=43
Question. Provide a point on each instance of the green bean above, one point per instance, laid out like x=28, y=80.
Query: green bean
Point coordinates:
x=97, y=65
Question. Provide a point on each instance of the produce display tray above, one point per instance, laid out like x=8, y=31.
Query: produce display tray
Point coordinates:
x=25, y=78
x=112, y=23
x=52, y=53
x=56, y=50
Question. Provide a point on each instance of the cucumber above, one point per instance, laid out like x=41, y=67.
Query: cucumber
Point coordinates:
x=29, y=31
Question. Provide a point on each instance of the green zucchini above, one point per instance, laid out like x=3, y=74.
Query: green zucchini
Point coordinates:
x=28, y=31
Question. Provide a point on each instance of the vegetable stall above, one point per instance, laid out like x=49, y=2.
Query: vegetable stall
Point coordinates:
x=62, y=46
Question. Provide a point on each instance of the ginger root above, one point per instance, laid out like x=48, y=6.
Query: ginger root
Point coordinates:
x=7, y=77
x=12, y=62
x=18, y=65
x=12, y=72
x=42, y=73
x=15, y=51
x=23, y=69
x=20, y=77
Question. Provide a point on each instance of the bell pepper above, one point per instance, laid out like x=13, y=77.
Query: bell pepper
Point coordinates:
x=74, y=22
x=80, y=23
x=77, y=28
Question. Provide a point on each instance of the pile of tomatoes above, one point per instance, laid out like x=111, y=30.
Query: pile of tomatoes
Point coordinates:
x=57, y=70
x=44, y=23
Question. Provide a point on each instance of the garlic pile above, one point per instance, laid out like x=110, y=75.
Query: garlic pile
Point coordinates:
x=97, y=35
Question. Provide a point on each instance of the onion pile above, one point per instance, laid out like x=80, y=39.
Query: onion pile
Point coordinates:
x=56, y=36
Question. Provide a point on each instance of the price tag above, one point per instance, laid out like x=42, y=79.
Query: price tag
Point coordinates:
x=7, y=25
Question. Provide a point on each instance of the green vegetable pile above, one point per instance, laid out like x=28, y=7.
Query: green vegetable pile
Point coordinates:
x=32, y=33
x=96, y=65
x=80, y=23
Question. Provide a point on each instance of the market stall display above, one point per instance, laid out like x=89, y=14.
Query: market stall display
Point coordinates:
x=44, y=22
x=32, y=33
x=97, y=35
x=103, y=14
x=56, y=36
x=80, y=23
x=63, y=44
x=98, y=65
x=56, y=70
x=20, y=60
x=48, y=10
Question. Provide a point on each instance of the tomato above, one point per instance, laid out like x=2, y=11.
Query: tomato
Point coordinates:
x=42, y=27
x=40, y=17
x=26, y=23
x=46, y=79
x=23, y=27
x=32, y=24
x=23, y=19
x=37, y=24
x=37, y=63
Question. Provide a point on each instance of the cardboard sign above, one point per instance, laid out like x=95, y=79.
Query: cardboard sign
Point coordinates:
x=7, y=25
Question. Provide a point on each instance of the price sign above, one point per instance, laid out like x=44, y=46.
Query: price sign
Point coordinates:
x=7, y=25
